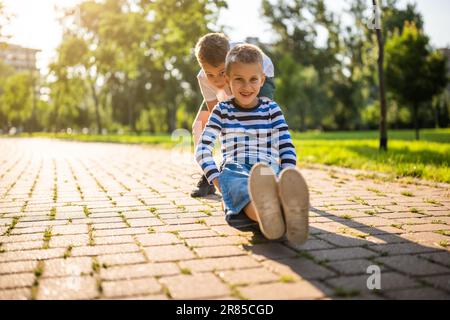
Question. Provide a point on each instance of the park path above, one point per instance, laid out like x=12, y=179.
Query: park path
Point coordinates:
x=100, y=221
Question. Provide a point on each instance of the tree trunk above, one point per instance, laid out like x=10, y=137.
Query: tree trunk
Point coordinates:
x=444, y=116
x=436, y=108
x=171, y=118
x=97, y=108
x=131, y=107
x=32, y=120
x=151, y=125
x=383, y=111
x=131, y=116
x=56, y=112
x=416, y=119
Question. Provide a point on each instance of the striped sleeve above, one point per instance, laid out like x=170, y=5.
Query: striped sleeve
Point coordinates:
x=280, y=130
x=203, y=153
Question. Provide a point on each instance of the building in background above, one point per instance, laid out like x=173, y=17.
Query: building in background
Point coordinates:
x=20, y=58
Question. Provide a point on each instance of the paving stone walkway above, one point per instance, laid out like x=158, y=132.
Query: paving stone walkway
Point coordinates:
x=101, y=221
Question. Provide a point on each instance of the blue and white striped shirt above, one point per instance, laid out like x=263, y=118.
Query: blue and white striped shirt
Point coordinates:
x=258, y=134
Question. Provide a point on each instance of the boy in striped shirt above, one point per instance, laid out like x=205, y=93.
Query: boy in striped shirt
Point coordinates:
x=258, y=173
x=210, y=51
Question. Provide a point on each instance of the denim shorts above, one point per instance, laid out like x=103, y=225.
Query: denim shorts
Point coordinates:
x=233, y=181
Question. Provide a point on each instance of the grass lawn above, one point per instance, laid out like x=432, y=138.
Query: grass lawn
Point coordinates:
x=163, y=140
x=427, y=158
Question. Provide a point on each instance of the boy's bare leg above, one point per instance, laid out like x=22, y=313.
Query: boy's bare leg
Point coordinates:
x=250, y=211
x=199, y=124
x=203, y=188
x=201, y=119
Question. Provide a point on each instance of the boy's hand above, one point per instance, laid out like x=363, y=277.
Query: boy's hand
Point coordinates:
x=216, y=184
x=211, y=104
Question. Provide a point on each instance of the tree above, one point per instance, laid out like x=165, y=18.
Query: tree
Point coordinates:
x=298, y=91
x=380, y=60
x=414, y=72
x=136, y=57
x=176, y=27
x=16, y=100
x=5, y=72
x=394, y=18
x=68, y=105
x=296, y=33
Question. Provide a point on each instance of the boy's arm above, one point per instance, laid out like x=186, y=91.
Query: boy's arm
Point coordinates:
x=286, y=148
x=211, y=104
x=203, y=153
x=208, y=94
x=268, y=67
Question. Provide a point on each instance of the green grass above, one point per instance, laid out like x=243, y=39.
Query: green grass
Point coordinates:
x=287, y=278
x=432, y=201
x=427, y=158
x=200, y=221
x=15, y=220
x=206, y=211
x=434, y=135
x=68, y=252
x=53, y=213
x=443, y=232
x=160, y=139
x=185, y=271
x=346, y=293
x=444, y=243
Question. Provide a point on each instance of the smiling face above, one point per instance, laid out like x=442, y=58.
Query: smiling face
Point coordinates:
x=245, y=81
x=215, y=75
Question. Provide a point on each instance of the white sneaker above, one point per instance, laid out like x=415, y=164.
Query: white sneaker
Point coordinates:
x=263, y=190
x=294, y=198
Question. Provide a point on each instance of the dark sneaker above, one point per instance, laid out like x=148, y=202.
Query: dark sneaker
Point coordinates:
x=241, y=221
x=203, y=188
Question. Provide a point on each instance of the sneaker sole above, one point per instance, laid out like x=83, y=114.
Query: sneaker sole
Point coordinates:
x=263, y=190
x=294, y=197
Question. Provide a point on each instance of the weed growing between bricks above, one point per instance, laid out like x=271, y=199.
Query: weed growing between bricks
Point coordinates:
x=47, y=237
x=11, y=227
x=91, y=234
x=52, y=214
x=68, y=252
x=96, y=273
x=38, y=271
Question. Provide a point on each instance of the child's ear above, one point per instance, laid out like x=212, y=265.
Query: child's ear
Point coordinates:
x=263, y=79
x=227, y=78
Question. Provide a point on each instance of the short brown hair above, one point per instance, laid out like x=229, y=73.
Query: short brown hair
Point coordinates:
x=212, y=48
x=244, y=53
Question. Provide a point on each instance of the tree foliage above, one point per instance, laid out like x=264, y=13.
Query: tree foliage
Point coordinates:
x=128, y=65
x=414, y=72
